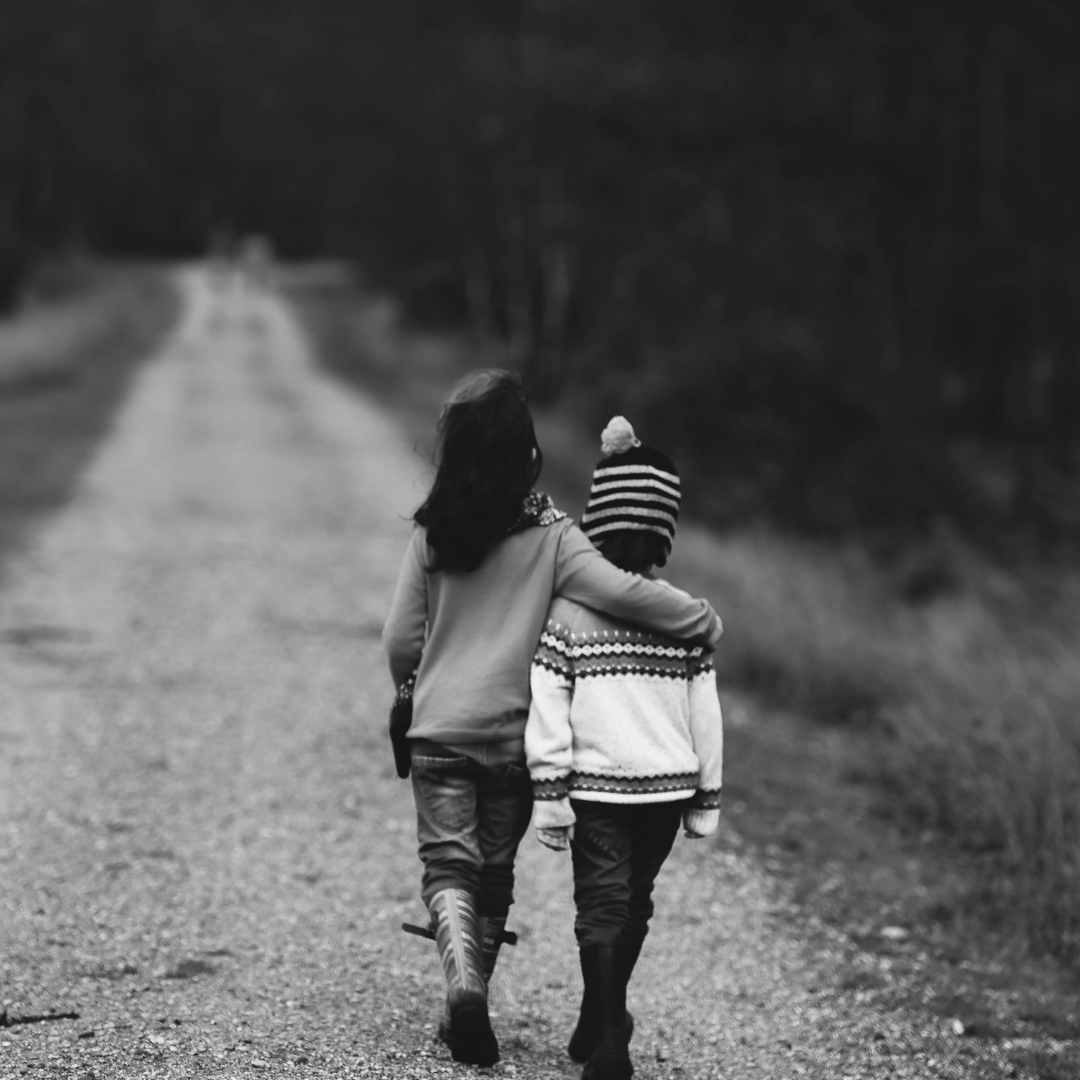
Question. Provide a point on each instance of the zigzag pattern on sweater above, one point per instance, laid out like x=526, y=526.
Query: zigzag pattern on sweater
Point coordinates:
x=552, y=654
x=597, y=642
x=615, y=647
x=700, y=665
x=613, y=717
x=632, y=785
x=617, y=653
x=560, y=787
x=592, y=669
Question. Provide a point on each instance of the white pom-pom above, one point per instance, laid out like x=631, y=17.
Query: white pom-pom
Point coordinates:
x=618, y=437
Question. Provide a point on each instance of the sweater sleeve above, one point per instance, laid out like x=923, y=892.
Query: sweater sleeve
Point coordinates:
x=549, y=741
x=584, y=575
x=707, y=732
x=406, y=625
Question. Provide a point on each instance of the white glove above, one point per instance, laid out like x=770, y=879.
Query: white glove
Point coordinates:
x=700, y=823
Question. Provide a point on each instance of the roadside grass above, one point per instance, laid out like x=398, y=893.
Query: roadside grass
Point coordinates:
x=65, y=361
x=971, y=699
x=937, y=793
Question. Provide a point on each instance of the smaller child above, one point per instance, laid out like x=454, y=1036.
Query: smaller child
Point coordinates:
x=624, y=740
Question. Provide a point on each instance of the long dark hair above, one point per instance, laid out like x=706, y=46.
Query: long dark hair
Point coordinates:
x=488, y=461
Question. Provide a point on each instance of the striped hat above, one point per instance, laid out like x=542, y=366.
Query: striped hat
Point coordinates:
x=633, y=487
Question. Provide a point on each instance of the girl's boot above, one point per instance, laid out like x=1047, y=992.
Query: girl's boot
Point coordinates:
x=491, y=938
x=457, y=934
x=603, y=968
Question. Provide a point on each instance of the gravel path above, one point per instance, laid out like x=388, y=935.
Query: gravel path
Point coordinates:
x=203, y=850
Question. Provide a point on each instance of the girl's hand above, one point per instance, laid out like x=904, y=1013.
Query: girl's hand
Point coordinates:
x=557, y=837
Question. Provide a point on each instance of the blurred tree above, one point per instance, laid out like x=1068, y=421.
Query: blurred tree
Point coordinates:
x=827, y=245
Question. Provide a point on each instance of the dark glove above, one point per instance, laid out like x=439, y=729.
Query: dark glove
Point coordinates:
x=400, y=722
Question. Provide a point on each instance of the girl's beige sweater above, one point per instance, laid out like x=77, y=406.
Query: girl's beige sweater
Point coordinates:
x=473, y=634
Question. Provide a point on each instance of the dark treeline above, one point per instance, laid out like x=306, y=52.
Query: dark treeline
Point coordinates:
x=827, y=249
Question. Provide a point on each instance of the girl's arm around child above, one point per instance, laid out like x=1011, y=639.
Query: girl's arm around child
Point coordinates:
x=478, y=629
x=584, y=575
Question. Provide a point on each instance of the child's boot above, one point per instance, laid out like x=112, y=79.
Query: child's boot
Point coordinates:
x=583, y=1041
x=492, y=930
x=457, y=934
x=634, y=943
x=603, y=968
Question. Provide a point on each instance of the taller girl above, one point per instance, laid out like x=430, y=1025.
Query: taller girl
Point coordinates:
x=488, y=555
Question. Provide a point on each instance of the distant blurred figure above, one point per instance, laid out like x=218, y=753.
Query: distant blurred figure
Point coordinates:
x=255, y=262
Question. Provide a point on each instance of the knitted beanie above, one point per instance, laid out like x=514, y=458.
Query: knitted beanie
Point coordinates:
x=633, y=487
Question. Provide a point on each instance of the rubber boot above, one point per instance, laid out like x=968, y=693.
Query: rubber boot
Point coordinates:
x=583, y=1041
x=491, y=931
x=457, y=934
x=604, y=970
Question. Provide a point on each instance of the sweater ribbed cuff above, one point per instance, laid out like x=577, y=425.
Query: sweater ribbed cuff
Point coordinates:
x=706, y=799
x=554, y=814
x=701, y=822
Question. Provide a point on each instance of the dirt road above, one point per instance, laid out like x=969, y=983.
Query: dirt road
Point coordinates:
x=203, y=850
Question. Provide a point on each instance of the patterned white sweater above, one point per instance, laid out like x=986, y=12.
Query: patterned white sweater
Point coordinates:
x=621, y=715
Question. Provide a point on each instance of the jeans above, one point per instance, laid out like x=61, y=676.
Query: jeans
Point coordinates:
x=470, y=818
x=617, y=851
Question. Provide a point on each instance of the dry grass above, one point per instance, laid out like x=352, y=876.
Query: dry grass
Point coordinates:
x=64, y=367
x=43, y=342
x=975, y=693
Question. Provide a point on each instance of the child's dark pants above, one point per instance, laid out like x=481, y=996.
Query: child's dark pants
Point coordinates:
x=618, y=849
x=470, y=818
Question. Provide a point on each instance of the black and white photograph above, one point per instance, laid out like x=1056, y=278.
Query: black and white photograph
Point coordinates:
x=540, y=539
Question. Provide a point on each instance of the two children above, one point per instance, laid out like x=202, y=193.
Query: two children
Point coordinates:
x=483, y=565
